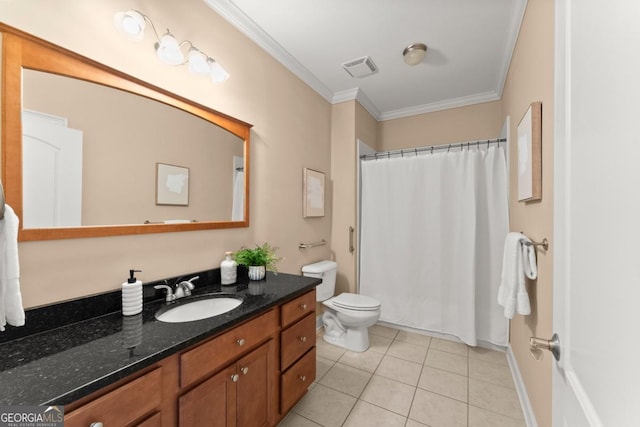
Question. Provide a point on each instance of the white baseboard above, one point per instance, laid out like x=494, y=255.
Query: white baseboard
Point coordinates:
x=525, y=404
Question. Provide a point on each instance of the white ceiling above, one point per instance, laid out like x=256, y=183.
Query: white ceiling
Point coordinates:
x=469, y=47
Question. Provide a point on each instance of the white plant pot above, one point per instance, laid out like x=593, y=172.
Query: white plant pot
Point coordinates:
x=256, y=272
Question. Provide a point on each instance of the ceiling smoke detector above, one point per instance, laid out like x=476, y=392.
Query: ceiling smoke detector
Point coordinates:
x=360, y=67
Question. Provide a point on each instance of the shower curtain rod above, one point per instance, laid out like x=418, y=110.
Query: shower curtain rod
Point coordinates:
x=432, y=148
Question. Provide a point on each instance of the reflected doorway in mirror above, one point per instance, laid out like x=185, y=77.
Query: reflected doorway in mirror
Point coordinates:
x=172, y=185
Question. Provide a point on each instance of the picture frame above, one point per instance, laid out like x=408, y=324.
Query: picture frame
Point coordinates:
x=172, y=185
x=313, y=190
x=530, y=154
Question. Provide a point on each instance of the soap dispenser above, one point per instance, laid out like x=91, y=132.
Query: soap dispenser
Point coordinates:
x=132, y=295
x=228, y=270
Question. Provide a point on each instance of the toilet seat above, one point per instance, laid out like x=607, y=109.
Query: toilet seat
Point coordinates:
x=355, y=302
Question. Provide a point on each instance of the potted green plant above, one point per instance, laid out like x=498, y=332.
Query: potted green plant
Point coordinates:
x=258, y=260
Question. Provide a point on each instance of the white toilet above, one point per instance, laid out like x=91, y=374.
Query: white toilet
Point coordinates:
x=348, y=316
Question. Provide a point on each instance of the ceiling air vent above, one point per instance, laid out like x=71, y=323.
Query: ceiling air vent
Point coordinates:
x=360, y=67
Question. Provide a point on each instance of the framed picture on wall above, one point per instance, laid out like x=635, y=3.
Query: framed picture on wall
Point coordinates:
x=530, y=154
x=312, y=193
x=172, y=185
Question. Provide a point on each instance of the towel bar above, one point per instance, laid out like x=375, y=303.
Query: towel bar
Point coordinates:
x=312, y=245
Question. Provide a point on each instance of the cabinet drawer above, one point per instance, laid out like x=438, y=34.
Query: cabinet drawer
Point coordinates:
x=212, y=355
x=153, y=421
x=297, y=340
x=298, y=308
x=295, y=381
x=123, y=405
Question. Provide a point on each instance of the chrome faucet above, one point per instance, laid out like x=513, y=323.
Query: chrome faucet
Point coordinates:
x=183, y=289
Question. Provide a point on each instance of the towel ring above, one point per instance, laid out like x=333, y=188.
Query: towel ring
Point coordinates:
x=544, y=244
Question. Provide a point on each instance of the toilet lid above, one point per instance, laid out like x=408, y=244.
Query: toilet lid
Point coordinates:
x=356, y=302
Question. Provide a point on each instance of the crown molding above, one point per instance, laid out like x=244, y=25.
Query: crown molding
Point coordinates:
x=515, y=22
x=232, y=14
x=440, y=105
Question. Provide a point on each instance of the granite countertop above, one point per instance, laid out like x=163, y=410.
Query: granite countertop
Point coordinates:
x=61, y=365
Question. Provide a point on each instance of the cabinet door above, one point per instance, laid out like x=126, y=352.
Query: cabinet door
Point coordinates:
x=212, y=403
x=255, y=387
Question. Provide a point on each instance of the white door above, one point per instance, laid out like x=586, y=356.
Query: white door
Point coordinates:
x=51, y=172
x=597, y=213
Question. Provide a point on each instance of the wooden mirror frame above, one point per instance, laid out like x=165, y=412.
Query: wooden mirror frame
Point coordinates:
x=20, y=50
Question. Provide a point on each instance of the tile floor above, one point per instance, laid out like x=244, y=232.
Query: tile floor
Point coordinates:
x=411, y=380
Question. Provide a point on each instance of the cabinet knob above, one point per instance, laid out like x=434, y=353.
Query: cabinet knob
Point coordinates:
x=303, y=306
x=302, y=339
x=244, y=370
x=96, y=424
x=302, y=378
x=240, y=342
x=235, y=378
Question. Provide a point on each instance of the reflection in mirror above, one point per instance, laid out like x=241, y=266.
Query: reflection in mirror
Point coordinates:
x=90, y=155
x=81, y=145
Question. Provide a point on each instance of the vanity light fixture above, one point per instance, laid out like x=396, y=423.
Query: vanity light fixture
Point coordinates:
x=414, y=53
x=132, y=23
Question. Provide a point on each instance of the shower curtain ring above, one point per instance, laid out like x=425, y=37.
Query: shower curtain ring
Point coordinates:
x=432, y=149
x=416, y=150
x=388, y=154
x=449, y=149
x=402, y=153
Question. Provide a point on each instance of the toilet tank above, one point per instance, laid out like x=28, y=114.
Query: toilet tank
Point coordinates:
x=325, y=270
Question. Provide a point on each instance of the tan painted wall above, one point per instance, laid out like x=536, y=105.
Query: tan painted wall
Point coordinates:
x=292, y=130
x=350, y=122
x=479, y=121
x=530, y=79
x=343, y=171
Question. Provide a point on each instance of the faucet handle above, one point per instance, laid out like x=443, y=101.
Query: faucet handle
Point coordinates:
x=189, y=283
x=170, y=295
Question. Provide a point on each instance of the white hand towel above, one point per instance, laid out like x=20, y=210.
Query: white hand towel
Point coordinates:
x=512, y=293
x=11, y=309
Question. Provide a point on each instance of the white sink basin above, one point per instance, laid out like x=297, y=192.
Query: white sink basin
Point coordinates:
x=198, y=309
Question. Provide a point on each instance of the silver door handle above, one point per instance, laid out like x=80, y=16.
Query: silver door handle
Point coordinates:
x=536, y=345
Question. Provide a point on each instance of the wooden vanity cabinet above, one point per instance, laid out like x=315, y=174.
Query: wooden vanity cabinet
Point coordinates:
x=248, y=376
x=297, y=349
x=239, y=395
x=243, y=393
x=136, y=403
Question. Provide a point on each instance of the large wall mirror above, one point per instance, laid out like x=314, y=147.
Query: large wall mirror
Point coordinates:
x=89, y=151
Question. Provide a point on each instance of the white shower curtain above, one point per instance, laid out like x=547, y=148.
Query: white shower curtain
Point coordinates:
x=432, y=236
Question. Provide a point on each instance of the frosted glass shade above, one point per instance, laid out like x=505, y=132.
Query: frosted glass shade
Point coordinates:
x=218, y=74
x=131, y=23
x=169, y=50
x=198, y=63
